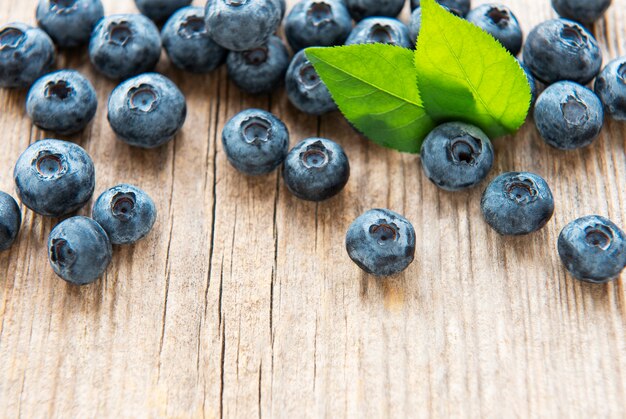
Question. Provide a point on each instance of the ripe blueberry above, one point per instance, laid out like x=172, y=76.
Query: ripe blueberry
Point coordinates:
x=125, y=45
x=63, y=102
x=316, y=169
x=160, y=10
x=79, y=250
x=255, y=141
x=517, y=203
x=501, y=23
x=125, y=212
x=456, y=156
x=611, y=88
x=561, y=49
x=568, y=115
x=381, y=242
x=54, y=178
x=188, y=44
x=10, y=220
x=584, y=11
x=593, y=249
x=26, y=53
x=383, y=30
x=317, y=23
x=261, y=69
x=305, y=88
x=240, y=25
x=147, y=111
x=69, y=22
x=360, y=9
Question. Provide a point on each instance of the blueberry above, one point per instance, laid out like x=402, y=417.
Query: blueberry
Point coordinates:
x=316, y=169
x=160, y=10
x=255, y=141
x=125, y=45
x=611, y=88
x=188, y=44
x=381, y=242
x=560, y=49
x=458, y=7
x=517, y=203
x=456, y=156
x=317, y=23
x=360, y=9
x=415, y=23
x=534, y=89
x=584, y=11
x=240, y=25
x=126, y=213
x=10, y=220
x=501, y=23
x=147, y=111
x=79, y=250
x=282, y=5
x=69, y=22
x=26, y=53
x=261, y=69
x=63, y=102
x=54, y=178
x=593, y=249
x=383, y=30
x=568, y=115
x=305, y=88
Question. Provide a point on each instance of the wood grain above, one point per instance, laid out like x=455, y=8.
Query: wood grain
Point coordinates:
x=243, y=302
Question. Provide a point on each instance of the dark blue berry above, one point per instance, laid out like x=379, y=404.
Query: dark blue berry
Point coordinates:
x=147, y=111
x=54, y=178
x=611, y=88
x=69, y=22
x=305, y=88
x=316, y=169
x=10, y=220
x=415, y=23
x=125, y=45
x=584, y=11
x=381, y=242
x=501, y=23
x=593, y=249
x=188, y=44
x=383, y=30
x=126, y=213
x=63, y=102
x=317, y=23
x=261, y=69
x=240, y=25
x=160, y=10
x=255, y=141
x=517, y=203
x=568, y=115
x=560, y=49
x=456, y=156
x=79, y=250
x=458, y=7
x=360, y=9
x=26, y=53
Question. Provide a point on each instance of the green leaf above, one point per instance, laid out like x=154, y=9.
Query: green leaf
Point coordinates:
x=374, y=86
x=464, y=74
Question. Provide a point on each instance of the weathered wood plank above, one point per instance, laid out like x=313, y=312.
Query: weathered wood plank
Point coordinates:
x=243, y=303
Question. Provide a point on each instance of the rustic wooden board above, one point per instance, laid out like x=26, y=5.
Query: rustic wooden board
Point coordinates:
x=243, y=302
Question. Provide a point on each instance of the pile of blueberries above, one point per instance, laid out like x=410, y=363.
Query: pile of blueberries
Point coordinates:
x=55, y=178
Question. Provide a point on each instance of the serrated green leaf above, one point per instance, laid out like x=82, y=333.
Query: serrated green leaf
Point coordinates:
x=374, y=86
x=464, y=74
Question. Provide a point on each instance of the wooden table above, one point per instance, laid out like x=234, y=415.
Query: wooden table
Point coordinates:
x=244, y=303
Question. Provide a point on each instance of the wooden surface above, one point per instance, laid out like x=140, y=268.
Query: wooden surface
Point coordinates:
x=243, y=302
